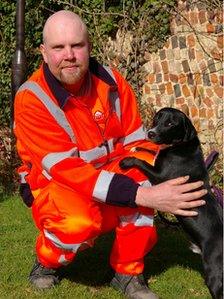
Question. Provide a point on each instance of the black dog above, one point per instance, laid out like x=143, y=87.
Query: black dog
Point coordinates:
x=184, y=157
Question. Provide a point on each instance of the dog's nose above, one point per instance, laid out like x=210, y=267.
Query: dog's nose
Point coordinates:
x=151, y=134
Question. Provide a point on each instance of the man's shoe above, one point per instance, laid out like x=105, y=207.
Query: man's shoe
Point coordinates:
x=133, y=287
x=42, y=277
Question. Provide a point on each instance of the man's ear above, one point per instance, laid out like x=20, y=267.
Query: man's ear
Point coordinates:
x=43, y=52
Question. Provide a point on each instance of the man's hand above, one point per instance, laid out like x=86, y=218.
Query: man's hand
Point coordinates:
x=174, y=196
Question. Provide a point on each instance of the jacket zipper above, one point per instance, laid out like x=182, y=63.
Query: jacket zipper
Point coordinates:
x=105, y=142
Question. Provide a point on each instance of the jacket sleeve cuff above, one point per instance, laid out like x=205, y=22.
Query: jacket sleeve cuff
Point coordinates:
x=122, y=191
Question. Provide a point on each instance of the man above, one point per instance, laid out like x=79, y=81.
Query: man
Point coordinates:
x=74, y=121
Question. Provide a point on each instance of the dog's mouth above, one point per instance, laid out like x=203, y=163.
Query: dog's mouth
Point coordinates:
x=166, y=142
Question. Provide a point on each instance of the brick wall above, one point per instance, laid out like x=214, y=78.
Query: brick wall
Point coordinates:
x=187, y=73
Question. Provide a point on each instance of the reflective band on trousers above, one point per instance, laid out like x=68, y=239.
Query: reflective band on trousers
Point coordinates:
x=54, y=110
x=62, y=260
x=70, y=247
x=137, y=219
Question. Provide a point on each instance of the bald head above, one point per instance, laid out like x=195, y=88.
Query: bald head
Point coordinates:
x=58, y=22
x=66, y=47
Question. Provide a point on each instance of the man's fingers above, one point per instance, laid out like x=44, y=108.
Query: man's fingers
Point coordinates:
x=194, y=195
x=186, y=213
x=192, y=204
x=179, y=181
x=191, y=186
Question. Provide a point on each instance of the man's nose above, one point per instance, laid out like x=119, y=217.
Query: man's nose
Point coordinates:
x=69, y=53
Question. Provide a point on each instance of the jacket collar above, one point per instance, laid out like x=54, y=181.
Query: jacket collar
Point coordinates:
x=62, y=95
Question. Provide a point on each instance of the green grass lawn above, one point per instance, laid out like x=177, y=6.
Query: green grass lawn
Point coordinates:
x=172, y=270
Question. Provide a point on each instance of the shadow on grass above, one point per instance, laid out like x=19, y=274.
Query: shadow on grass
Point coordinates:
x=91, y=267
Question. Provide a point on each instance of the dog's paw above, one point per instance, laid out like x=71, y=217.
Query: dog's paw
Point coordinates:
x=127, y=163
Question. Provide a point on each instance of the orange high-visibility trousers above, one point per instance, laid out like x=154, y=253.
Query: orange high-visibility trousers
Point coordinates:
x=69, y=222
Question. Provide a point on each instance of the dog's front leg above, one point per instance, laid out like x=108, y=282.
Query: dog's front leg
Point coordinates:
x=142, y=165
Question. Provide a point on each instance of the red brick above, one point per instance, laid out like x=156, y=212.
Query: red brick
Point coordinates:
x=194, y=111
x=151, y=78
x=202, y=16
x=185, y=109
x=186, y=91
x=197, y=124
x=197, y=78
x=209, y=92
x=199, y=55
x=202, y=65
x=166, y=77
x=208, y=102
x=191, y=40
x=214, y=78
x=169, y=88
x=147, y=89
x=193, y=17
x=210, y=28
x=156, y=67
x=210, y=113
x=158, y=100
x=150, y=100
x=221, y=80
x=182, y=78
x=165, y=67
x=180, y=101
x=173, y=78
x=219, y=91
x=220, y=41
x=216, y=54
x=162, y=88
x=195, y=91
x=202, y=112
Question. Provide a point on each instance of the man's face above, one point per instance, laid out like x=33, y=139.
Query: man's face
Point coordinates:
x=66, y=50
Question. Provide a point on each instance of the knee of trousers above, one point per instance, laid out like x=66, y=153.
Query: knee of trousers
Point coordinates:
x=66, y=219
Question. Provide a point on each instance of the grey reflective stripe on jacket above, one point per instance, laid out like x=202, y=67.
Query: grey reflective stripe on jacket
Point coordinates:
x=54, y=110
x=53, y=158
x=114, y=98
x=102, y=185
x=96, y=152
x=134, y=136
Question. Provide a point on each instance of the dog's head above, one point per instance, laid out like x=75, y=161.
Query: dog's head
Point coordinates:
x=171, y=126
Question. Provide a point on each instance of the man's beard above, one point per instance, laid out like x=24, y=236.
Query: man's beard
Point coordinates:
x=73, y=77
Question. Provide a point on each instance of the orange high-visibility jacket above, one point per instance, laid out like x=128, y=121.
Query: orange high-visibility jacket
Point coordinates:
x=69, y=139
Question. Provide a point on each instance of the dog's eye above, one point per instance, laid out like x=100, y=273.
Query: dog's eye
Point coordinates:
x=168, y=124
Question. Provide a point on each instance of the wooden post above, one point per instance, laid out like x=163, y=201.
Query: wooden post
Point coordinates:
x=19, y=65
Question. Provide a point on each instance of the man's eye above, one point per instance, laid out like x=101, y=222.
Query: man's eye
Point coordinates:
x=58, y=47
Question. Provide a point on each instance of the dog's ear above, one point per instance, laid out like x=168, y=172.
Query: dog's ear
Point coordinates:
x=190, y=131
